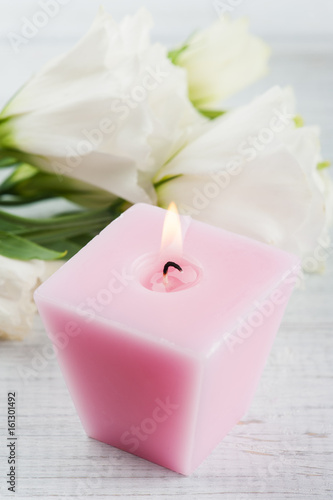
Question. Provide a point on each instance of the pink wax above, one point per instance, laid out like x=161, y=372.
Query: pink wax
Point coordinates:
x=165, y=373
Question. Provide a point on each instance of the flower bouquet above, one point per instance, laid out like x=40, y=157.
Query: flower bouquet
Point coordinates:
x=119, y=120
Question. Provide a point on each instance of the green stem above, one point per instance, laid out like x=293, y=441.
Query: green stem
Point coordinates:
x=43, y=237
x=7, y=159
x=61, y=221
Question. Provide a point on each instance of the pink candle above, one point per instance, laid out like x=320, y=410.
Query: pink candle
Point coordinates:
x=164, y=364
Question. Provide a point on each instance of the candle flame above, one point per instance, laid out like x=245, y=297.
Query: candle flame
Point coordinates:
x=172, y=241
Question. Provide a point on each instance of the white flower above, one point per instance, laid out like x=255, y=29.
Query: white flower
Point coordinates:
x=109, y=112
x=253, y=172
x=222, y=60
x=18, y=280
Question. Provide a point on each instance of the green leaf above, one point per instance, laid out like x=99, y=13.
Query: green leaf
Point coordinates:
x=53, y=236
x=323, y=164
x=8, y=225
x=173, y=55
x=21, y=173
x=298, y=120
x=27, y=184
x=211, y=113
x=15, y=247
x=81, y=219
x=165, y=179
x=7, y=162
x=71, y=247
x=47, y=236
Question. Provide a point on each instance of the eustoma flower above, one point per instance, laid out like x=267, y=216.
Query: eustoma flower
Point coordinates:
x=18, y=281
x=221, y=60
x=109, y=112
x=252, y=171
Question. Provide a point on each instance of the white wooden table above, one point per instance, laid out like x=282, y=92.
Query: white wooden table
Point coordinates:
x=282, y=449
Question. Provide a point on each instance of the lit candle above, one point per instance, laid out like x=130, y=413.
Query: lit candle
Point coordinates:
x=162, y=344
x=169, y=270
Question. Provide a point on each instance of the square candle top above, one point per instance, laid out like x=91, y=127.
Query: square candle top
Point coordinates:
x=105, y=281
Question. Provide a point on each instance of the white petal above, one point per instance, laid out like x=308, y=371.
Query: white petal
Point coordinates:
x=268, y=200
x=74, y=74
x=18, y=280
x=304, y=144
x=221, y=141
x=115, y=107
x=222, y=60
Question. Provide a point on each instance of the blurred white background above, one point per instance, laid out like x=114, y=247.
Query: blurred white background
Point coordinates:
x=297, y=25
x=177, y=18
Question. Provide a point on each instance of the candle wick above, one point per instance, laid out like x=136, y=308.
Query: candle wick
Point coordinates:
x=166, y=268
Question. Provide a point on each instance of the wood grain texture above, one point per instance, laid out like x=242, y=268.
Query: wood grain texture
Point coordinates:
x=281, y=450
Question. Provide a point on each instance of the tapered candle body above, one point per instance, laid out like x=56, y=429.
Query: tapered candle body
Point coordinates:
x=165, y=373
